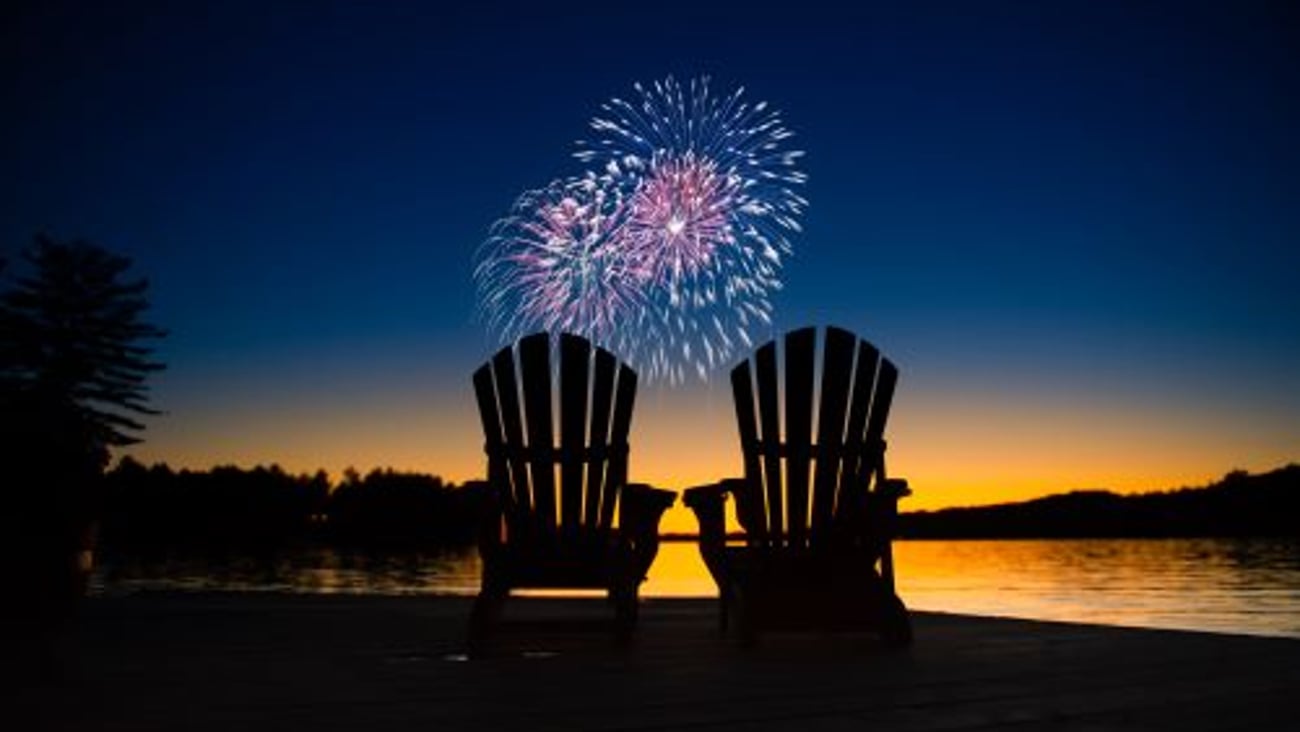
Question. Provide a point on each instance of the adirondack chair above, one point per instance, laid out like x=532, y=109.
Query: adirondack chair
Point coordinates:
x=540, y=534
x=816, y=554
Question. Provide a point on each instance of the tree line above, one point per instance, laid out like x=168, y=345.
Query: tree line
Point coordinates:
x=265, y=508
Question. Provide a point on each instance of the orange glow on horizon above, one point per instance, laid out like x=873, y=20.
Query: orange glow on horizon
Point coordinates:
x=956, y=449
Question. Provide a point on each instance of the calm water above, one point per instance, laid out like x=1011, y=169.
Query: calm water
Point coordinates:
x=1234, y=586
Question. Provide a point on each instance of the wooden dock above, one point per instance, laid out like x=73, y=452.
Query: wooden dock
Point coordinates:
x=276, y=662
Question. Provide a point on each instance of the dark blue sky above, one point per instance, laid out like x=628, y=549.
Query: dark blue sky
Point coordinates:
x=1039, y=209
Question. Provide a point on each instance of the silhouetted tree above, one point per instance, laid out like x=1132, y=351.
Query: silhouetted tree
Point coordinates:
x=76, y=340
x=394, y=508
x=73, y=370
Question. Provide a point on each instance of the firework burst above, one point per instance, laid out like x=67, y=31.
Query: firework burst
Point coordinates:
x=675, y=234
x=557, y=263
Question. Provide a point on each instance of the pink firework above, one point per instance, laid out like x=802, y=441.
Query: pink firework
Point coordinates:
x=558, y=263
x=679, y=216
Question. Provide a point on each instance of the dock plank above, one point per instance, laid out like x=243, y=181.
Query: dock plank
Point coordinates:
x=284, y=662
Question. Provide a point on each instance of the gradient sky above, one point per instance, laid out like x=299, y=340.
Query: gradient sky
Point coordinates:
x=1074, y=226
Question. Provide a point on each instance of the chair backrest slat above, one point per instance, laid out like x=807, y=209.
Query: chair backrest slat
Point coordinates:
x=616, y=476
x=602, y=400
x=575, y=356
x=770, y=420
x=800, y=352
x=864, y=386
x=837, y=368
x=535, y=365
x=752, y=514
x=494, y=443
x=873, y=441
x=503, y=371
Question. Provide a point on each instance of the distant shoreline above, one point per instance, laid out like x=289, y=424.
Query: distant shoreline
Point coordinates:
x=1240, y=505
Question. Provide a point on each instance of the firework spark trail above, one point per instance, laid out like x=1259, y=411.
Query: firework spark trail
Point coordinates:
x=669, y=248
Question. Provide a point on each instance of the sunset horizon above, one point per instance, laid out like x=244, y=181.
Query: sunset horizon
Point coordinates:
x=678, y=454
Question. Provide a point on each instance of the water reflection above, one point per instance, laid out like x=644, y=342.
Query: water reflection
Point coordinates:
x=314, y=570
x=1237, y=586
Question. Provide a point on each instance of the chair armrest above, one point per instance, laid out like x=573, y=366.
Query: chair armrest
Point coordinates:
x=885, y=523
x=882, y=507
x=894, y=489
x=641, y=508
x=875, y=513
x=701, y=495
x=709, y=504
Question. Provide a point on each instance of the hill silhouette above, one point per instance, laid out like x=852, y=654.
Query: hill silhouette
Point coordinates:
x=1240, y=504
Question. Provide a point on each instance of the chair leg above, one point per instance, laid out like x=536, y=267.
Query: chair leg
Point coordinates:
x=896, y=625
x=625, y=612
x=747, y=620
x=484, y=616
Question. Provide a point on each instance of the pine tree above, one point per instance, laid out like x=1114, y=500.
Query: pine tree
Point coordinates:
x=73, y=369
x=74, y=362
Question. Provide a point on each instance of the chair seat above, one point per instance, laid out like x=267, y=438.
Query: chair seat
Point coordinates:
x=806, y=569
x=827, y=589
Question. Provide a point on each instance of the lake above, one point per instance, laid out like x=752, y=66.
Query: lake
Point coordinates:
x=1249, y=586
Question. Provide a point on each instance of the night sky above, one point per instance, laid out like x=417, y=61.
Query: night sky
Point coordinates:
x=1073, y=226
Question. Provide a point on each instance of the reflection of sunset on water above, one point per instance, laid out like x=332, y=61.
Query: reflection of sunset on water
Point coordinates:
x=1239, y=586
x=1247, y=586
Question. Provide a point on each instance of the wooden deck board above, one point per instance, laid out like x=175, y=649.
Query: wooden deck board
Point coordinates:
x=313, y=662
